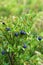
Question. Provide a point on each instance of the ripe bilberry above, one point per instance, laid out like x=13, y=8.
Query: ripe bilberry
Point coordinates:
x=16, y=34
x=24, y=46
x=39, y=38
x=3, y=23
x=22, y=32
x=3, y=52
x=7, y=29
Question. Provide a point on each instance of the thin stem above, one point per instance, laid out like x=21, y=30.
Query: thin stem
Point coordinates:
x=5, y=36
x=11, y=58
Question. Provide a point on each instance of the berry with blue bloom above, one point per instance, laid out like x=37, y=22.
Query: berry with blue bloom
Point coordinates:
x=16, y=34
x=39, y=38
x=24, y=46
x=22, y=32
x=3, y=52
x=7, y=29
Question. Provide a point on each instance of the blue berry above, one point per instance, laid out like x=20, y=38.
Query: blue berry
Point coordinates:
x=8, y=29
x=16, y=34
x=3, y=52
x=22, y=32
x=24, y=46
x=39, y=38
x=3, y=23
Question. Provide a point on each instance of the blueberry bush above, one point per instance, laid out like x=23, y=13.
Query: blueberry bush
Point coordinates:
x=21, y=32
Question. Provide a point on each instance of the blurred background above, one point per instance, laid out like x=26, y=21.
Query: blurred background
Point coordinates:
x=20, y=7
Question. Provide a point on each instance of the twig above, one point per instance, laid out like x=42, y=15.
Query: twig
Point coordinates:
x=11, y=58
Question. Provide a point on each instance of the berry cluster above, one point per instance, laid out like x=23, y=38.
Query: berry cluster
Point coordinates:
x=21, y=33
x=16, y=34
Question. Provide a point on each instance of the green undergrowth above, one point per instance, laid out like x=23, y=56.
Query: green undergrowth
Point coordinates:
x=18, y=48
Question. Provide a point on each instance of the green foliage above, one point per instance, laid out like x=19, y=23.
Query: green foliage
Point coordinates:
x=17, y=48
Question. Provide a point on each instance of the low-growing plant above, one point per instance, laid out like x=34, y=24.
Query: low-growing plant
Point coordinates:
x=21, y=32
